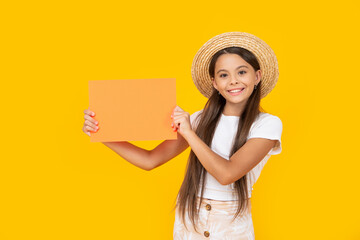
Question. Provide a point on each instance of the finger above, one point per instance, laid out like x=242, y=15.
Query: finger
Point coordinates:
x=176, y=113
x=177, y=109
x=88, y=128
x=88, y=123
x=177, y=127
x=177, y=123
x=86, y=131
x=178, y=117
x=88, y=112
x=179, y=114
x=93, y=121
x=173, y=126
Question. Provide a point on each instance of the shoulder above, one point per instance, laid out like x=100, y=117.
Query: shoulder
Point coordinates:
x=267, y=126
x=266, y=123
x=266, y=118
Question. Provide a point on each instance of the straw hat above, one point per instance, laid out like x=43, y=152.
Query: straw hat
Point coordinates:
x=264, y=54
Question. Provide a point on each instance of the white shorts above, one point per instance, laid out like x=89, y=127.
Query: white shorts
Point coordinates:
x=215, y=223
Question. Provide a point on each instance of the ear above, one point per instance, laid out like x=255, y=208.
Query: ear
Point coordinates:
x=257, y=77
x=214, y=83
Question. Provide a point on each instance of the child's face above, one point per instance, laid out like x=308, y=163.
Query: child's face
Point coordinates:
x=233, y=72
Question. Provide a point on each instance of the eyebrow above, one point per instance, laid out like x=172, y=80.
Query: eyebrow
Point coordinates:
x=235, y=68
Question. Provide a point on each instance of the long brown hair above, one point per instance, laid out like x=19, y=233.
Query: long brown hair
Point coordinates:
x=208, y=119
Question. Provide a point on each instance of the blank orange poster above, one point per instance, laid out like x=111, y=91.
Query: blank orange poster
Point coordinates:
x=133, y=109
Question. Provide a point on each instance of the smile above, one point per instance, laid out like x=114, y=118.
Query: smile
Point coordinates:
x=236, y=91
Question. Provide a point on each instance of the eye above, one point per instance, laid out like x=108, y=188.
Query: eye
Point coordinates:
x=242, y=72
x=222, y=74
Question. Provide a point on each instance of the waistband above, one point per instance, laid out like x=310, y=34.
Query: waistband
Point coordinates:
x=221, y=206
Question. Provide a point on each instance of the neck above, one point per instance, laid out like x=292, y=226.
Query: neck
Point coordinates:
x=232, y=109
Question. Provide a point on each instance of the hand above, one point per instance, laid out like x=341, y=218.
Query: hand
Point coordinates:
x=90, y=124
x=181, y=121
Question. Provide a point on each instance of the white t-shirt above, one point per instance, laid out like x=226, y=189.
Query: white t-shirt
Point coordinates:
x=265, y=126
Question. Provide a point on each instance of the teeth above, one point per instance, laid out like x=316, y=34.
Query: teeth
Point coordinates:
x=233, y=91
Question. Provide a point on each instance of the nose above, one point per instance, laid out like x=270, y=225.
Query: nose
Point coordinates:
x=234, y=80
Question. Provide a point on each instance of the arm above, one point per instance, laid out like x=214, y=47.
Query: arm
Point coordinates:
x=168, y=150
x=241, y=162
x=131, y=153
x=248, y=156
x=149, y=159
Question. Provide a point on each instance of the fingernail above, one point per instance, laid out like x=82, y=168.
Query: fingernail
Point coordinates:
x=92, y=114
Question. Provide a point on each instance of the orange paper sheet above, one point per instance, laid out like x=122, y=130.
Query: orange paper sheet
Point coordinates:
x=133, y=109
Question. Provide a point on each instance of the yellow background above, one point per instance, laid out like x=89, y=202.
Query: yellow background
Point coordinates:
x=55, y=184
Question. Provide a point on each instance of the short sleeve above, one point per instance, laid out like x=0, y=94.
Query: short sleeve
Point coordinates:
x=194, y=119
x=268, y=126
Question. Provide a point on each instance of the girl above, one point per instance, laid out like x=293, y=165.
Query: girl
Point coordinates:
x=230, y=139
